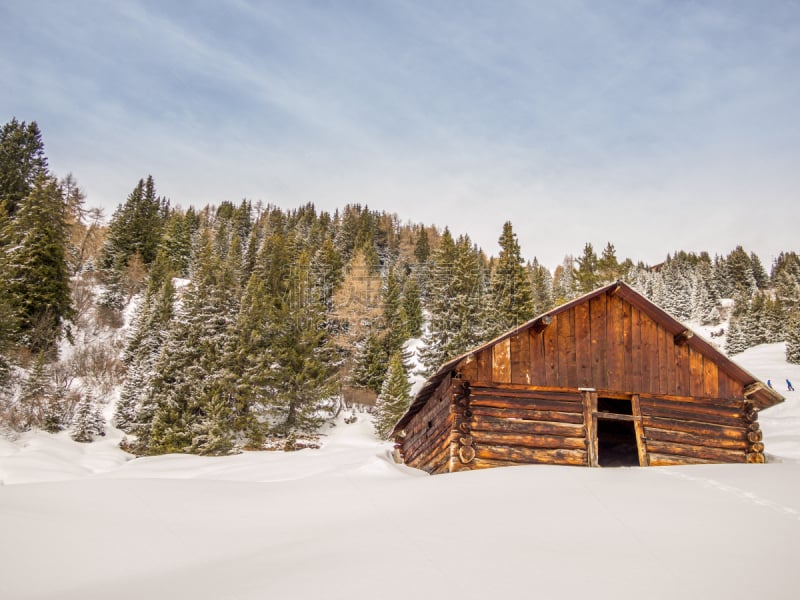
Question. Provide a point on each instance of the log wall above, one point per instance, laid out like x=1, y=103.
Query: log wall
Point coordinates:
x=426, y=445
x=512, y=426
x=692, y=430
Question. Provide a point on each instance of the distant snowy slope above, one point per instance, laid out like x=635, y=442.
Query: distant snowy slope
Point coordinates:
x=781, y=423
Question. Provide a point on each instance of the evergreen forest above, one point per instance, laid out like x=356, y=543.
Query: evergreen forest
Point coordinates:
x=245, y=325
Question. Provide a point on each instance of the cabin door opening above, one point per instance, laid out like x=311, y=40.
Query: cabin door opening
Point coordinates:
x=616, y=443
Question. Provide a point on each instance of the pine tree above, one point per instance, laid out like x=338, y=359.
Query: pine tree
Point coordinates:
x=759, y=273
x=394, y=397
x=22, y=163
x=564, y=285
x=740, y=271
x=302, y=380
x=411, y=309
x=542, y=284
x=736, y=340
x=34, y=278
x=793, y=338
x=456, y=301
x=188, y=371
x=135, y=228
x=369, y=367
x=88, y=422
x=608, y=267
x=34, y=396
x=134, y=411
x=510, y=293
x=586, y=275
x=422, y=248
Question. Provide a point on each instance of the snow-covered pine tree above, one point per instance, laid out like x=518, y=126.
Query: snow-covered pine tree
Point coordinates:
x=793, y=338
x=190, y=364
x=456, y=302
x=134, y=410
x=370, y=362
x=34, y=279
x=394, y=398
x=740, y=271
x=88, y=422
x=564, y=286
x=759, y=273
x=705, y=301
x=736, y=340
x=33, y=400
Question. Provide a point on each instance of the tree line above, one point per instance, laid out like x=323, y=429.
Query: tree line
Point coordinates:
x=249, y=320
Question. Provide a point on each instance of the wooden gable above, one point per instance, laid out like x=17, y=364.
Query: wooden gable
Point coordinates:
x=605, y=343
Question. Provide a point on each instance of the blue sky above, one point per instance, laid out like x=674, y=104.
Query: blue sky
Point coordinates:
x=654, y=125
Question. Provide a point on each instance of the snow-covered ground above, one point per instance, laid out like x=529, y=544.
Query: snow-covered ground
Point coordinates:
x=85, y=521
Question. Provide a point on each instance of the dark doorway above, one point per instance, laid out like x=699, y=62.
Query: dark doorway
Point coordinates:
x=616, y=443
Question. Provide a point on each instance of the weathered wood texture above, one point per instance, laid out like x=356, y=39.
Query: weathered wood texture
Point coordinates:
x=606, y=344
x=426, y=445
x=513, y=425
x=695, y=429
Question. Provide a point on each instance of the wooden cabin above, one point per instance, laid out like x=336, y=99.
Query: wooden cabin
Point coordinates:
x=608, y=379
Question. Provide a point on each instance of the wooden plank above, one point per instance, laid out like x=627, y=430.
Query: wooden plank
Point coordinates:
x=501, y=361
x=667, y=460
x=695, y=373
x=709, y=430
x=590, y=423
x=649, y=369
x=664, y=360
x=668, y=356
x=627, y=341
x=531, y=455
x=528, y=440
x=702, y=452
x=683, y=437
x=566, y=349
x=506, y=390
x=484, y=358
x=638, y=427
x=615, y=344
x=652, y=406
x=724, y=402
x=710, y=378
x=682, y=370
x=487, y=463
x=528, y=415
x=636, y=350
x=538, y=368
x=521, y=358
x=525, y=403
x=693, y=416
x=583, y=346
x=597, y=325
x=510, y=425
x=550, y=336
